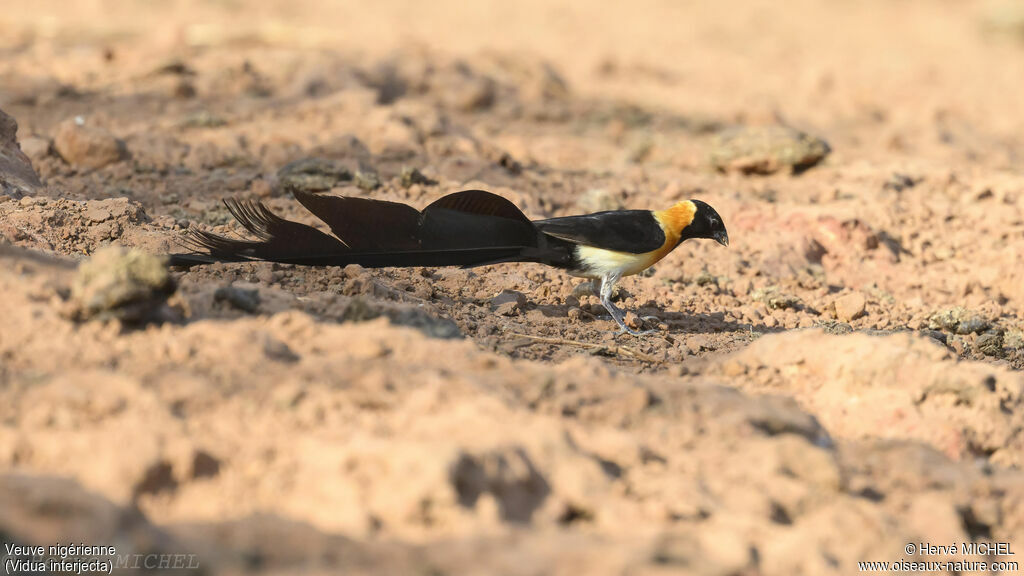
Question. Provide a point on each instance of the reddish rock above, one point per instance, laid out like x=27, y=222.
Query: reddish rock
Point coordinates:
x=17, y=177
x=850, y=307
x=86, y=146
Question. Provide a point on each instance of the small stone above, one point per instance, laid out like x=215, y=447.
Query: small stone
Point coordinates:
x=204, y=119
x=472, y=93
x=766, y=149
x=507, y=309
x=693, y=346
x=958, y=320
x=275, y=349
x=704, y=278
x=583, y=289
x=990, y=344
x=958, y=344
x=87, y=147
x=508, y=303
x=247, y=300
x=838, y=328
x=311, y=175
x=128, y=285
x=899, y=182
x=850, y=307
x=1014, y=339
x=35, y=147
x=17, y=177
x=97, y=214
x=366, y=178
x=633, y=321
x=775, y=299
x=412, y=176
x=750, y=314
x=184, y=90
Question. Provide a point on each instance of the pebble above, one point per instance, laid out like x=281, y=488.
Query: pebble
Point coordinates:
x=850, y=307
x=129, y=285
x=97, y=214
x=412, y=176
x=633, y=321
x=508, y=303
x=766, y=149
x=17, y=177
x=366, y=178
x=87, y=147
x=775, y=299
x=247, y=300
x=959, y=320
x=990, y=344
x=311, y=175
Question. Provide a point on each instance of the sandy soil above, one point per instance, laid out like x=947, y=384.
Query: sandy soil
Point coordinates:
x=843, y=380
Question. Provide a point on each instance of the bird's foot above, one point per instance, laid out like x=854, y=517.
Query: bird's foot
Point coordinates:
x=627, y=330
x=624, y=327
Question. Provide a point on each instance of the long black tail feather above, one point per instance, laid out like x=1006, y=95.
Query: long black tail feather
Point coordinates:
x=470, y=228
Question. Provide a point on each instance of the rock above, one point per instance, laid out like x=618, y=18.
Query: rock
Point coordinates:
x=246, y=300
x=361, y=309
x=850, y=307
x=87, y=147
x=17, y=177
x=36, y=147
x=958, y=320
x=97, y=214
x=1014, y=339
x=898, y=182
x=838, y=328
x=775, y=299
x=633, y=320
x=471, y=94
x=311, y=175
x=278, y=351
x=766, y=149
x=508, y=303
x=412, y=176
x=990, y=344
x=366, y=178
x=128, y=285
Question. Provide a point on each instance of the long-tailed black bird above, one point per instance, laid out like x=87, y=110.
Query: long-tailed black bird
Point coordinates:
x=470, y=228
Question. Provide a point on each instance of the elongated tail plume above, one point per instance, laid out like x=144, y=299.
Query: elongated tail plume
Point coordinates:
x=469, y=228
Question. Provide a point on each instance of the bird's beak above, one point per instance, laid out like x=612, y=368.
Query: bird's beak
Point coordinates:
x=722, y=238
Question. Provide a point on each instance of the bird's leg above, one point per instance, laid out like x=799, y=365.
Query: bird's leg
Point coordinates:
x=607, y=286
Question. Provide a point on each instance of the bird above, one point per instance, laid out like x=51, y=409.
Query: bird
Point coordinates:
x=470, y=228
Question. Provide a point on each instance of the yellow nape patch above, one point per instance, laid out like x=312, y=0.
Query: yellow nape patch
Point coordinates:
x=600, y=262
x=676, y=218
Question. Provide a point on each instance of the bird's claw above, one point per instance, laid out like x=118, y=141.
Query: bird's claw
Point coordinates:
x=630, y=331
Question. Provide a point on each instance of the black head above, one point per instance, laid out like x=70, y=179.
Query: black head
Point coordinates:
x=706, y=224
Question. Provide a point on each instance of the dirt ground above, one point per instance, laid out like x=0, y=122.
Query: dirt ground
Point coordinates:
x=842, y=381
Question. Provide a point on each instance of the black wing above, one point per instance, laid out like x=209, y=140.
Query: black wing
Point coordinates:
x=633, y=231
